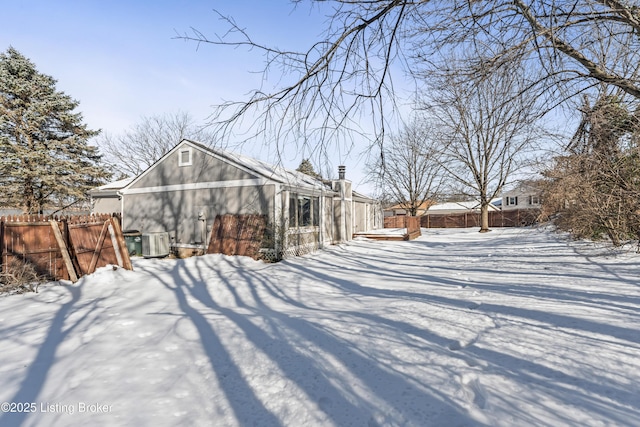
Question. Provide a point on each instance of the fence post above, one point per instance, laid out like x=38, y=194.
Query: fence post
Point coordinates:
x=63, y=250
x=98, y=248
x=119, y=245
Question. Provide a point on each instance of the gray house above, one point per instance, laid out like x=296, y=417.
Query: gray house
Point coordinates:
x=184, y=191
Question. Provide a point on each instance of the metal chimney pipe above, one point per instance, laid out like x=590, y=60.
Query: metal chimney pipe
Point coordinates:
x=341, y=172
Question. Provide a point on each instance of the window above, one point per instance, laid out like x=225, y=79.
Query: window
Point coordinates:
x=534, y=200
x=304, y=211
x=185, y=157
x=293, y=208
x=316, y=211
x=512, y=201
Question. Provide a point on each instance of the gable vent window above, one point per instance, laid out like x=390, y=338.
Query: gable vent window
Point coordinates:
x=185, y=157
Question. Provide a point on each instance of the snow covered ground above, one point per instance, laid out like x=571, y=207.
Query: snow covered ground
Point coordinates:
x=511, y=328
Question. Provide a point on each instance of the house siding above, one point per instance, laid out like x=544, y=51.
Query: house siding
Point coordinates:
x=524, y=198
x=204, y=168
x=184, y=191
x=177, y=212
x=106, y=205
x=361, y=217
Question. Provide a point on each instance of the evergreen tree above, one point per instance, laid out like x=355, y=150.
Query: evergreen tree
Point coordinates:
x=45, y=160
x=307, y=168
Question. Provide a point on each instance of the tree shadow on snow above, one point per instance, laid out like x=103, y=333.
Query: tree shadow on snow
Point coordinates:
x=39, y=368
x=289, y=342
x=590, y=393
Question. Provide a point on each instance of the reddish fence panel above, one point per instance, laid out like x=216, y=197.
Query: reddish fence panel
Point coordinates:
x=215, y=244
x=92, y=244
x=411, y=223
x=230, y=232
x=413, y=227
x=462, y=220
x=514, y=218
x=237, y=235
x=251, y=234
x=394, y=222
x=31, y=239
x=85, y=240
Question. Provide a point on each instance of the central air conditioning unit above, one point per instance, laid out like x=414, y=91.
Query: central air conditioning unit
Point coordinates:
x=155, y=245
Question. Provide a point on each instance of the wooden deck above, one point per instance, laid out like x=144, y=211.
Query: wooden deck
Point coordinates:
x=401, y=235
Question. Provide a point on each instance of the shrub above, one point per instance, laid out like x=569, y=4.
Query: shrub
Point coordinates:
x=19, y=276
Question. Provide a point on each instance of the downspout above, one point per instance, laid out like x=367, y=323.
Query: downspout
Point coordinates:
x=121, y=196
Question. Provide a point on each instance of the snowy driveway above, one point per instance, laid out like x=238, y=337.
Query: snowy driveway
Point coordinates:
x=512, y=328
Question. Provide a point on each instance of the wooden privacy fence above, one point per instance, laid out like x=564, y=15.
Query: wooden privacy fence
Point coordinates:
x=411, y=223
x=62, y=248
x=512, y=218
x=237, y=235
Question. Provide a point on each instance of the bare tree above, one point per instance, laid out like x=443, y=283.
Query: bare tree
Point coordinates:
x=487, y=129
x=133, y=151
x=409, y=171
x=347, y=74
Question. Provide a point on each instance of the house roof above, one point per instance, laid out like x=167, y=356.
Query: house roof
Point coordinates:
x=360, y=197
x=264, y=170
x=111, y=187
x=529, y=185
x=248, y=164
x=423, y=206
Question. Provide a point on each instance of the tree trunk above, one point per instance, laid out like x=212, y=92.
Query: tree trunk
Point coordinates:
x=484, y=218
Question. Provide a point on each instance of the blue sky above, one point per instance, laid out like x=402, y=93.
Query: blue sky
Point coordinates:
x=122, y=61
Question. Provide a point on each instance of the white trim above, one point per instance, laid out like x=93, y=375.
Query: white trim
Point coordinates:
x=119, y=193
x=197, y=186
x=189, y=162
x=321, y=221
x=278, y=217
x=176, y=149
x=230, y=158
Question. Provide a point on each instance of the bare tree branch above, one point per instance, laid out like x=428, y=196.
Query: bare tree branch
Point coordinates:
x=409, y=172
x=133, y=151
x=351, y=73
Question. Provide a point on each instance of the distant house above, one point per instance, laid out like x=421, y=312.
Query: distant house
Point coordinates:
x=188, y=187
x=472, y=206
x=401, y=210
x=525, y=195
